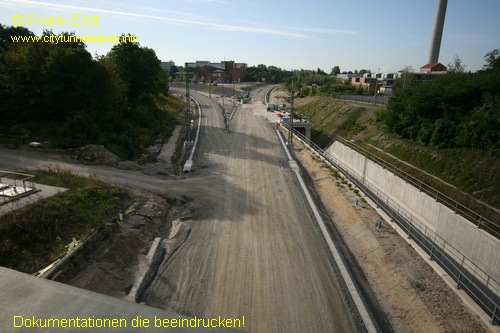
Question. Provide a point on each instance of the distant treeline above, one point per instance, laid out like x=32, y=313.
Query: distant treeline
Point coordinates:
x=60, y=93
x=453, y=110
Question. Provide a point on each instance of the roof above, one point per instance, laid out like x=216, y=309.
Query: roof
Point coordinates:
x=433, y=67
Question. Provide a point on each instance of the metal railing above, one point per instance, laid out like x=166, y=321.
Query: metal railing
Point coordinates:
x=479, y=285
x=368, y=99
x=13, y=181
x=481, y=222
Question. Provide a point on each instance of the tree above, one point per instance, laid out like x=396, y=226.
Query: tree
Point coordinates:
x=20, y=81
x=172, y=71
x=456, y=66
x=139, y=67
x=335, y=71
x=66, y=81
x=404, y=79
x=453, y=110
x=7, y=32
x=320, y=71
x=492, y=60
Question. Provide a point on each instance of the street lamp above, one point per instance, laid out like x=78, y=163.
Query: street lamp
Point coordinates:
x=290, y=133
x=376, y=83
x=188, y=104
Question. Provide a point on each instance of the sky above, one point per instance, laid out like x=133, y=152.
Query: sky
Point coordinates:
x=382, y=36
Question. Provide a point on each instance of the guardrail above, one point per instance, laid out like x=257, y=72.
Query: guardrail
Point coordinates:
x=479, y=285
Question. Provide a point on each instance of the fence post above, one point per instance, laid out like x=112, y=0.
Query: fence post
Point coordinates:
x=458, y=281
x=432, y=252
x=493, y=316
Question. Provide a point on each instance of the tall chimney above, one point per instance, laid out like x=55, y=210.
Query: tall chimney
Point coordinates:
x=438, y=32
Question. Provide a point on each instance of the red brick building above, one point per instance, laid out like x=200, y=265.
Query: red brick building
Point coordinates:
x=433, y=68
x=225, y=71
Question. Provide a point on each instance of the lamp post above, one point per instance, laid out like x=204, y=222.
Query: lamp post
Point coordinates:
x=188, y=104
x=290, y=133
x=376, y=84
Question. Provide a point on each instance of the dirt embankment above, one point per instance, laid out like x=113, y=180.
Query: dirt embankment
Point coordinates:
x=414, y=297
x=113, y=260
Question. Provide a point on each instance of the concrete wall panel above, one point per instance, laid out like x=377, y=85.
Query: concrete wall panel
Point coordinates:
x=460, y=237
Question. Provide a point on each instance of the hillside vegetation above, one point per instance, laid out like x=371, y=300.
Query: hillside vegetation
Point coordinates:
x=58, y=93
x=34, y=236
x=473, y=171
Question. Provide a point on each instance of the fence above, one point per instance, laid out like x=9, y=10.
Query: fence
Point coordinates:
x=480, y=286
x=16, y=186
x=491, y=227
x=379, y=100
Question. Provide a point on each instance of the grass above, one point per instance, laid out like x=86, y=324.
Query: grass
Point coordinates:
x=35, y=235
x=471, y=171
x=331, y=117
x=474, y=175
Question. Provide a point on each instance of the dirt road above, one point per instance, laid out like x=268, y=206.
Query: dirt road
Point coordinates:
x=254, y=251
x=244, y=244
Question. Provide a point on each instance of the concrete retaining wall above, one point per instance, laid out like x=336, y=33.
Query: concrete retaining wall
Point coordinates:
x=473, y=248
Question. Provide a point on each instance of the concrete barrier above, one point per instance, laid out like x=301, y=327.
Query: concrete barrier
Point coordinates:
x=460, y=241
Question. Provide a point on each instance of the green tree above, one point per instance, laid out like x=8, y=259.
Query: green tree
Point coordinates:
x=405, y=78
x=456, y=66
x=139, y=67
x=453, y=110
x=21, y=85
x=172, y=71
x=335, y=71
x=67, y=82
x=7, y=32
x=492, y=60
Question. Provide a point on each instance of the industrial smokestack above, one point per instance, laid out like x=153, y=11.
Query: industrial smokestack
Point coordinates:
x=438, y=32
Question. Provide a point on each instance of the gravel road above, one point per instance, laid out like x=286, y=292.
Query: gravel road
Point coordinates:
x=253, y=251
x=244, y=243
x=248, y=245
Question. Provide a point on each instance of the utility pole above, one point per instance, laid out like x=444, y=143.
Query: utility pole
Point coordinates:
x=209, y=72
x=188, y=105
x=290, y=130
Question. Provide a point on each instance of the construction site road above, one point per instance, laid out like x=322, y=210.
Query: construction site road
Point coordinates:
x=249, y=245
x=252, y=249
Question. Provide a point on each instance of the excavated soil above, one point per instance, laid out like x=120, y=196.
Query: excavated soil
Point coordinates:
x=114, y=259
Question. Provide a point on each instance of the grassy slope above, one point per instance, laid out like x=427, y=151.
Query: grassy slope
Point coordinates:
x=472, y=171
x=36, y=235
